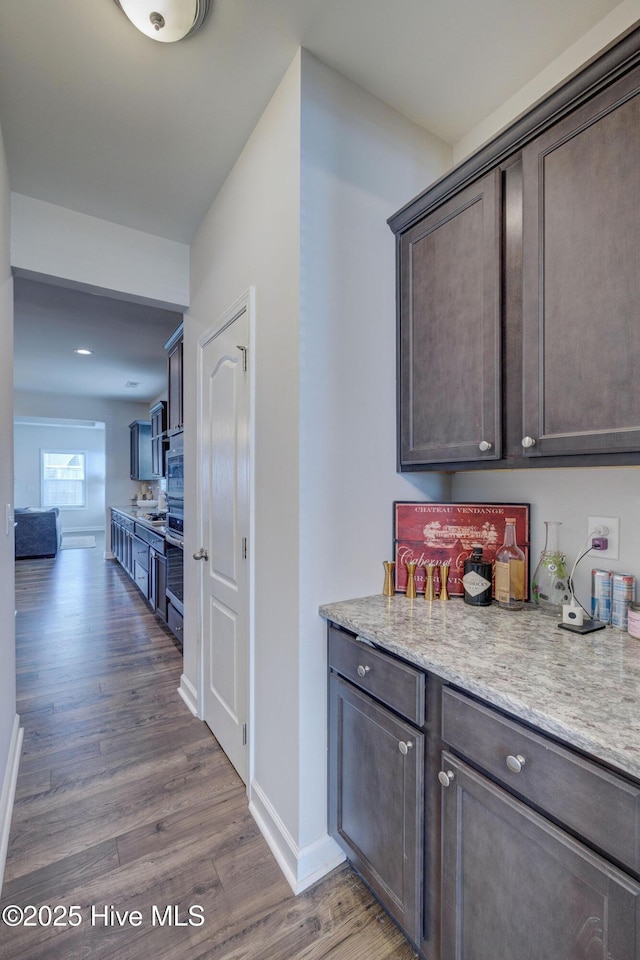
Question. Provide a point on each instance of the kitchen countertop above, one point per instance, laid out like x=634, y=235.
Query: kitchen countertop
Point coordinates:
x=584, y=690
x=138, y=514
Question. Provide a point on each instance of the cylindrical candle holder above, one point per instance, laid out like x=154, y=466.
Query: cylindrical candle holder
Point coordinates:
x=388, y=589
x=429, y=588
x=411, y=580
x=444, y=576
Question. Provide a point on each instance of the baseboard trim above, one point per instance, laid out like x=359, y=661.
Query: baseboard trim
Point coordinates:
x=9, y=792
x=301, y=866
x=189, y=694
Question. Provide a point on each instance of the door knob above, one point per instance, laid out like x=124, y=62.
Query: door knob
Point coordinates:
x=528, y=442
x=201, y=554
x=404, y=747
x=484, y=445
x=446, y=777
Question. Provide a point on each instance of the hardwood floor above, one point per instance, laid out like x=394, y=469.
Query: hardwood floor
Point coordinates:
x=125, y=802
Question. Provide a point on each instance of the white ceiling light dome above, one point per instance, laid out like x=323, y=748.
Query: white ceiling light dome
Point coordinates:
x=166, y=20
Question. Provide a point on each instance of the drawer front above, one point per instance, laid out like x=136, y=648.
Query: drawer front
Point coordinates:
x=125, y=522
x=141, y=553
x=396, y=684
x=599, y=806
x=150, y=537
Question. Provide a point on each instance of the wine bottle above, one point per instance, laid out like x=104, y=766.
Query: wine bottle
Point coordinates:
x=510, y=570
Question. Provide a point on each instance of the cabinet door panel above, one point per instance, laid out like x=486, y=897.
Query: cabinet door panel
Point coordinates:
x=377, y=799
x=516, y=886
x=581, y=346
x=449, y=331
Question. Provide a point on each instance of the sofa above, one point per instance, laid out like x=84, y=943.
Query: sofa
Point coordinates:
x=38, y=532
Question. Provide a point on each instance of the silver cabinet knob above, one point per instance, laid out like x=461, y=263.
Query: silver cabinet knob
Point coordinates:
x=484, y=445
x=201, y=554
x=405, y=747
x=446, y=779
x=528, y=442
x=516, y=763
x=363, y=671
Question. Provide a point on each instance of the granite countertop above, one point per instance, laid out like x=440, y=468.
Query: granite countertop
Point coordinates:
x=584, y=690
x=138, y=514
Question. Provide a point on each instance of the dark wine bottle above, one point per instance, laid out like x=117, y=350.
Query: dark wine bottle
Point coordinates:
x=477, y=579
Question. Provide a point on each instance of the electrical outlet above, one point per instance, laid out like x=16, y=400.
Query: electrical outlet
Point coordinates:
x=613, y=537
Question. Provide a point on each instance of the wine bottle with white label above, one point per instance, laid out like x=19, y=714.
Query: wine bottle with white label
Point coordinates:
x=510, y=569
x=477, y=579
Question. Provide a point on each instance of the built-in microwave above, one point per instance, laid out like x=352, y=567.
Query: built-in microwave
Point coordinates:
x=175, y=469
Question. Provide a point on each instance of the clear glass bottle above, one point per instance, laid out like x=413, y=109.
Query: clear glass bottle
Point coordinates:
x=510, y=570
x=550, y=585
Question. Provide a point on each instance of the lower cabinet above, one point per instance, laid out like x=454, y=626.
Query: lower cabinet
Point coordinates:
x=141, y=552
x=515, y=885
x=174, y=621
x=483, y=837
x=376, y=775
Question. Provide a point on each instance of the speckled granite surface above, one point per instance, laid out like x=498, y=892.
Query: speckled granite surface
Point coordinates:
x=584, y=690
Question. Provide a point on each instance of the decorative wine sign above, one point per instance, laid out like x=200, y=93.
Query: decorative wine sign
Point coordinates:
x=433, y=533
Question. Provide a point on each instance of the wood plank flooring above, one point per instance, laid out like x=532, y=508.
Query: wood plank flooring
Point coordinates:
x=125, y=802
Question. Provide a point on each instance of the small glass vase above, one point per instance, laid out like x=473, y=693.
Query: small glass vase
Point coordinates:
x=550, y=585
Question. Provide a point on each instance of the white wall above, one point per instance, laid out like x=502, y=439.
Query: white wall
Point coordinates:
x=568, y=495
x=250, y=236
x=115, y=414
x=321, y=259
x=75, y=250
x=10, y=737
x=31, y=438
x=624, y=16
x=361, y=161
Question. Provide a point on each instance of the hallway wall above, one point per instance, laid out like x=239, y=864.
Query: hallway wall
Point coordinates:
x=9, y=724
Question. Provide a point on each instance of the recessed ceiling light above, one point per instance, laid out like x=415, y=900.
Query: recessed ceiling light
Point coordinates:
x=83, y=352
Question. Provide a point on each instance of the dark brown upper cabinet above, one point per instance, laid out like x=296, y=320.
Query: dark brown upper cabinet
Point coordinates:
x=518, y=288
x=449, y=334
x=175, y=413
x=581, y=243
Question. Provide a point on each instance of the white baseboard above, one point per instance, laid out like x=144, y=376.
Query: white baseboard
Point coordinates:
x=302, y=866
x=189, y=694
x=9, y=792
x=107, y=555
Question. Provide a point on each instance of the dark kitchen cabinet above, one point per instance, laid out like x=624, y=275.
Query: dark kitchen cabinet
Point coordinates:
x=376, y=775
x=581, y=236
x=536, y=845
x=518, y=288
x=175, y=352
x=449, y=336
x=158, y=414
x=514, y=885
x=140, y=450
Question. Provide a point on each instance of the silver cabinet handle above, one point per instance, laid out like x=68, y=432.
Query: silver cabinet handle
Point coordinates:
x=446, y=779
x=363, y=671
x=528, y=442
x=404, y=747
x=484, y=445
x=201, y=554
x=515, y=764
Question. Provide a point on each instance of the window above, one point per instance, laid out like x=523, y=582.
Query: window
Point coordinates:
x=63, y=478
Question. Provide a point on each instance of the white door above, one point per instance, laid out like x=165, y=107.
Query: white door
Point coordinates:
x=224, y=531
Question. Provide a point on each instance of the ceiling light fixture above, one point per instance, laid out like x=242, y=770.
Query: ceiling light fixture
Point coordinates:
x=166, y=20
x=83, y=352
